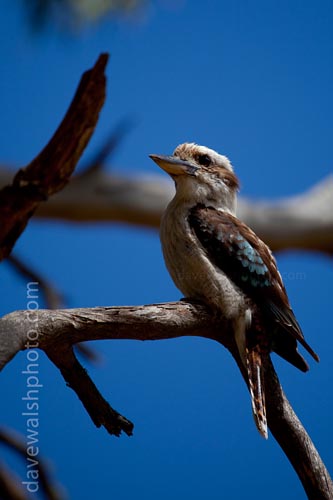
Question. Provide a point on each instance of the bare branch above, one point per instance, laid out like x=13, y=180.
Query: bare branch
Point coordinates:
x=16, y=443
x=292, y=437
x=304, y=221
x=53, y=299
x=10, y=489
x=295, y=442
x=96, y=406
x=108, y=148
x=153, y=322
x=49, y=172
x=59, y=330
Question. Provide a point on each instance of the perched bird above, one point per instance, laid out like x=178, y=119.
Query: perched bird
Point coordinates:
x=214, y=257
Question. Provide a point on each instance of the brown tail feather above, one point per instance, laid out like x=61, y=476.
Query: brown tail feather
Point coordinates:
x=255, y=371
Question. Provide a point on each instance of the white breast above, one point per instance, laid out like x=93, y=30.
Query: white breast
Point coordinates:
x=190, y=268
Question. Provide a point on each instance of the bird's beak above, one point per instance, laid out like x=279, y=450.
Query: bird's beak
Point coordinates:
x=173, y=165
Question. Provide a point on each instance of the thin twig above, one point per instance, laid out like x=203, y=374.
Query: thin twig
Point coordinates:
x=108, y=148
x=17, y=443
x=53, y=299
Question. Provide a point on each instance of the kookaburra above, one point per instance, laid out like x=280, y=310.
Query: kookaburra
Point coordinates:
x=214, y=257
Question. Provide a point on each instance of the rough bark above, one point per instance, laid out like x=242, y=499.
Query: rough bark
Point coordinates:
x=305, y=222
x=50, y=171
x=58, y=331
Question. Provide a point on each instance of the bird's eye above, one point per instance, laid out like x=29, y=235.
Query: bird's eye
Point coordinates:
x=204, y=160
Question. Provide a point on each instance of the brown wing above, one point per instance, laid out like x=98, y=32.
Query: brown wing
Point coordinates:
x=249, y=263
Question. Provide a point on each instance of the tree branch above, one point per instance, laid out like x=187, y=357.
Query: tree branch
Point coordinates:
x=77, y=378
x=291, y=436
x=108, y=148
x=50, y=171
x=10, y=488
x=295, y=442
x=52, y=298
x=59, y=330
x=304, y=221
x=16, y=443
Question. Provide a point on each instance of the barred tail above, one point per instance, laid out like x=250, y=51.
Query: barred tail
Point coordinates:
x=255, y=371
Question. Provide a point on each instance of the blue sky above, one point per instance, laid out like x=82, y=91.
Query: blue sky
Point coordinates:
x=252, y=80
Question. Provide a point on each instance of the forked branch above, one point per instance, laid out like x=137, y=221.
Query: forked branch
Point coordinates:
x=57, y=331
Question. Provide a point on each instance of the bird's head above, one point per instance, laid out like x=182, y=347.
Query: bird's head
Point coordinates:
x=201, y=176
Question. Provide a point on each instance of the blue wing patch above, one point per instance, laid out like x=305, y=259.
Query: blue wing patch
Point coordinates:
x=247, y=261
x=234, y=251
